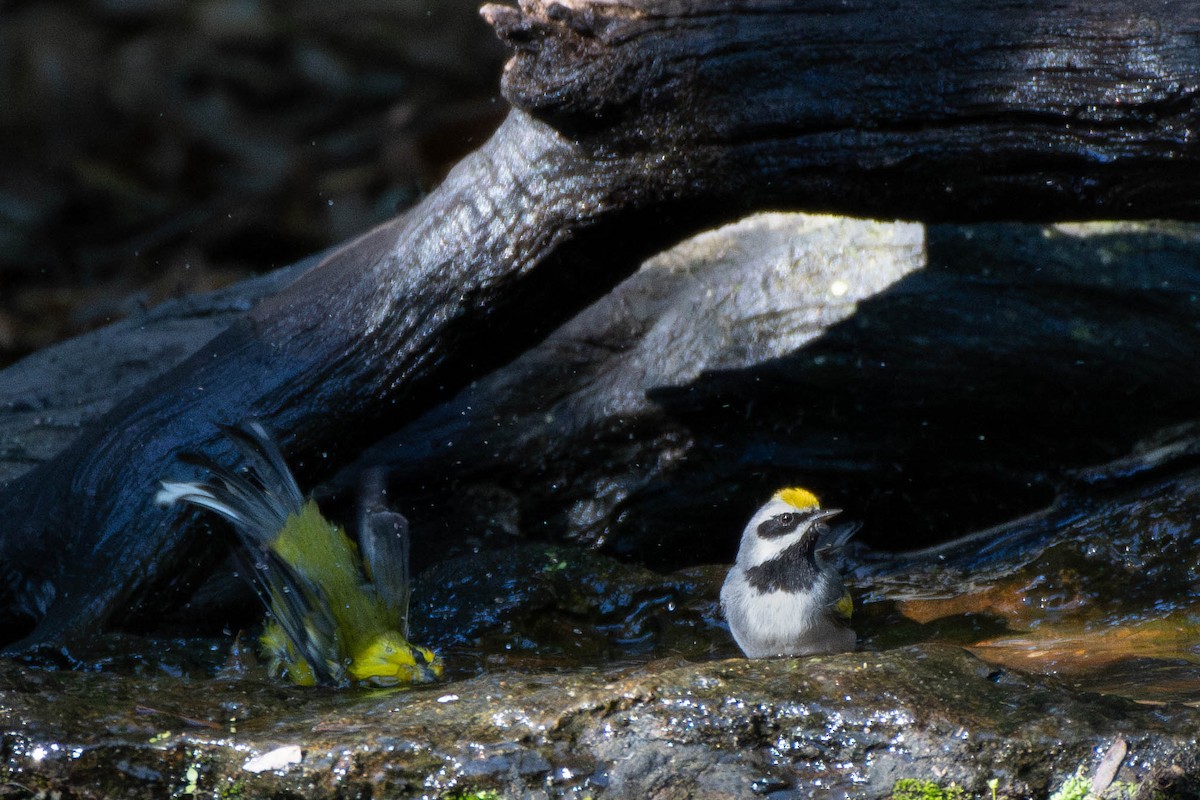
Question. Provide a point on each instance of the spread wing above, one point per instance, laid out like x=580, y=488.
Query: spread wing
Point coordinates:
x=835, y=537
x=383, y=539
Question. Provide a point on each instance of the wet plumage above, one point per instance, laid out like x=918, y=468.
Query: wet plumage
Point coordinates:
x=338, y=615
x=782, y=597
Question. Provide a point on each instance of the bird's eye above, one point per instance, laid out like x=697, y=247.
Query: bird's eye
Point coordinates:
x=779, y=525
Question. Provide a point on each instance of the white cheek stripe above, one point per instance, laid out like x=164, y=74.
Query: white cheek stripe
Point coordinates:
x=763, y=550
x=755, y=549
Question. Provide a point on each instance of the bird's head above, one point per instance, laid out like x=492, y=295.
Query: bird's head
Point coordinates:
x=390, y=660
x=791, y=516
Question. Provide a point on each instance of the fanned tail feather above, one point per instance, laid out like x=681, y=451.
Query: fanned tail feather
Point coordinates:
x=305, y=622
x=257, y=499
x=266, y=462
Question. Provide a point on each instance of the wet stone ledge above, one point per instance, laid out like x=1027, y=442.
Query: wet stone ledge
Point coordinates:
x=843, y=726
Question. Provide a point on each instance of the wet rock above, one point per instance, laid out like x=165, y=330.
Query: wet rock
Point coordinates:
x=566, y=607
x=844, y=726
x=1098, y=589
x=572, y=674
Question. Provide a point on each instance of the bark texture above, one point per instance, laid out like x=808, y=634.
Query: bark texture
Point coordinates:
x=635, y=124
x=948, y=110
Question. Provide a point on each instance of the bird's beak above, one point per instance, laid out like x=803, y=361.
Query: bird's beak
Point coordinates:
x=826, y=514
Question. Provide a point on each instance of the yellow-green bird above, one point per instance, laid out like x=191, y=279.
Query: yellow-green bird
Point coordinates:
x=338, y=616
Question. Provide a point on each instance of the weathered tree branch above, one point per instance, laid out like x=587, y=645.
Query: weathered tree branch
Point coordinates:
x=508, y=217
x=637, y=124
x=939, y=111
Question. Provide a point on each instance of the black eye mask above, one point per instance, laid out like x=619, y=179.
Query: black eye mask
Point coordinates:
x=785, y=523
x=789, y=521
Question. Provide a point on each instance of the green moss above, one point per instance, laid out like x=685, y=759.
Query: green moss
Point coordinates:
x=913, y=789
x=1076, y=787
x=232, y=790
x=480, y=794
x=1079, y=787
x=192, y=776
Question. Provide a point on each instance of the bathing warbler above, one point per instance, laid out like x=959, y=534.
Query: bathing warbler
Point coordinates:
x=338, y=615
x=782, y=598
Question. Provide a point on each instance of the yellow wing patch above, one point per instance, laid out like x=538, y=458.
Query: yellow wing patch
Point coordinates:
x=797, y=497
x=283, y=660
x=845, y=606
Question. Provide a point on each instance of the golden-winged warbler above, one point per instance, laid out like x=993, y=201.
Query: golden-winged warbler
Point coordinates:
x=338, y=612
x=781, y=597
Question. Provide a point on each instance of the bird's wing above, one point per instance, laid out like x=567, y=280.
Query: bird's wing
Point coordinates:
x=383, y=539
x=836, y=537
x=304, y=619
x=843, y=607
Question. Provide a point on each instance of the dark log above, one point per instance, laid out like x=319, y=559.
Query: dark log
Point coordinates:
x=930, y=381
x=640, y=124
x=485, y=254
x=936, y=111
x=46, y=398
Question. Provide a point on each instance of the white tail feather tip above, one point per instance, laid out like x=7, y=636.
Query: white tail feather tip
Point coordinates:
x=172, y=493
x=197, y=495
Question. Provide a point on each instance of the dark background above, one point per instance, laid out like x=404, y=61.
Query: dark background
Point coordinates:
x=151, y=148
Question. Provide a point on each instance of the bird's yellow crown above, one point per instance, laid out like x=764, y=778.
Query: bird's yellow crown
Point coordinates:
x=798, y=498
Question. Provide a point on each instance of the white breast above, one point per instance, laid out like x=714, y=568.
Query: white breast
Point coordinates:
x=781, y=623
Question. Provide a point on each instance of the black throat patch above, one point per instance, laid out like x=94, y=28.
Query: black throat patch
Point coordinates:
x=793, y=570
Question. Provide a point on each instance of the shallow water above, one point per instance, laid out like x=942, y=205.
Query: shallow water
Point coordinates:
x=1101, y=593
